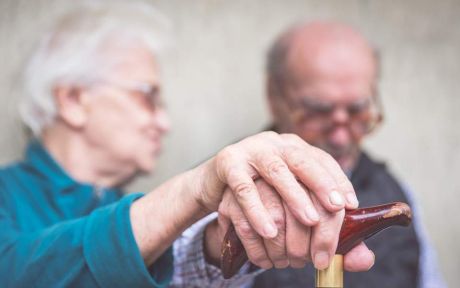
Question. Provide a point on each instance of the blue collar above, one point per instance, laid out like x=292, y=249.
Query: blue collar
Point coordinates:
x=38, y=158
x=45, y=166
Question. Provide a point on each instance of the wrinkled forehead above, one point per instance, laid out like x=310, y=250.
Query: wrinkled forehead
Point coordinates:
x=332, y=65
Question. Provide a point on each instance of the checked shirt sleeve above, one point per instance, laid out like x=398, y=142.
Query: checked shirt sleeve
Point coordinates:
x=190, y=267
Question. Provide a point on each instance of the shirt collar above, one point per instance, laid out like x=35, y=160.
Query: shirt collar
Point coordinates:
x=39, y=159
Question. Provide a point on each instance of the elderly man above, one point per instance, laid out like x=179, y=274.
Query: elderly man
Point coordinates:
x=92, y=101
x=322, y=86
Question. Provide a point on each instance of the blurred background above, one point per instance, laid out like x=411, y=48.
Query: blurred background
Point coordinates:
x=214, y=87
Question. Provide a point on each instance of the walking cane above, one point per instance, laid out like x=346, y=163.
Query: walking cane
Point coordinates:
x=358, y=225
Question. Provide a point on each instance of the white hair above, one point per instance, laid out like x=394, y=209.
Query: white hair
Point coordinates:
x=70, y=53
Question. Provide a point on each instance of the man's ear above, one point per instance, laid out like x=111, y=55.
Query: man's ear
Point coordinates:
x=70, y=105
x=273, y=98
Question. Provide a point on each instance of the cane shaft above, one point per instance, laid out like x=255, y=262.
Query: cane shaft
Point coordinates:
x=332, y=276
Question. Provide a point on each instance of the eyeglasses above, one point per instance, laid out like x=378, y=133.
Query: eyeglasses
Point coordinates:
x=364, y=115
x=147, y=94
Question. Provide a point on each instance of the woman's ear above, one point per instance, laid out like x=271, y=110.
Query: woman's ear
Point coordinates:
x=70, y=105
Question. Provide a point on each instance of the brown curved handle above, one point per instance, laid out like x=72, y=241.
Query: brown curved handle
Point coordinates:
x=358, y=225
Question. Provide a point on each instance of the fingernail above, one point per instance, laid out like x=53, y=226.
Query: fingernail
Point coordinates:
x=265, y=265
x=281, y=264
x=336, y=198
x=352, y=200
x=373, y=262
x=321, y=260
x=270, y=231
x=312, y=215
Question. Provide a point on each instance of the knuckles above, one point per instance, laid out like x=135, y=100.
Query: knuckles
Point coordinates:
x=279, y=220
x=297, y=264
x=299, y=164
x=225, y=155
x=269, y=135
x=302, y=157
x=276, y=169
x=326, y=236
x=242, y=191
x=293, y=138
x=245, y=230
x=298, y=254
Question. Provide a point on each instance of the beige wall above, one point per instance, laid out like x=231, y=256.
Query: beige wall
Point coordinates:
x=214, y=87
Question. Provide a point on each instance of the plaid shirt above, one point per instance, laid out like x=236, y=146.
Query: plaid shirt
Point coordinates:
x=190, y=267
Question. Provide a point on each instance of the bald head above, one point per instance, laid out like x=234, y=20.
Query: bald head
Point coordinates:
x=315, y=48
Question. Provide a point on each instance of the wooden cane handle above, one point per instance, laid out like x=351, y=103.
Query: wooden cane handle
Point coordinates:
x=358, y=225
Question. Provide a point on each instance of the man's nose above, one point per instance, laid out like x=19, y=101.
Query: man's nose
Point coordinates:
x=340, y=116
x=339, y=133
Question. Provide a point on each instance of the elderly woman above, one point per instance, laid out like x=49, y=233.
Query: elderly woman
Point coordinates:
x=93, y=104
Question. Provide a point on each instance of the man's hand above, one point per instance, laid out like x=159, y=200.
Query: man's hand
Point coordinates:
x=295, y=243
x=285, y=162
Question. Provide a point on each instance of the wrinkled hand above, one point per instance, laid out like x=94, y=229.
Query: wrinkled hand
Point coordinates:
x=295, y=243
x=285, y=162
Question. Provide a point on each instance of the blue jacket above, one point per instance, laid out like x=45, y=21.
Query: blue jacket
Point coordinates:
x=56, y=232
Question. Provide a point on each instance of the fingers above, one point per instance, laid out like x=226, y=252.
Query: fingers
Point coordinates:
x=358, y=259
x=292, y=245
x=268, y=252
x=280, y=177
x=276, y=247
x=325, y=236
x=297, y=241
x=281, y=160
x=252, y=242
x=347, y=190
x=305, y=165
x=238, y=176
x=264, y=253
x=333, y=182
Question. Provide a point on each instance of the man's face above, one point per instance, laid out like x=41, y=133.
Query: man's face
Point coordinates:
x=126, y=121
x=330, y=102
